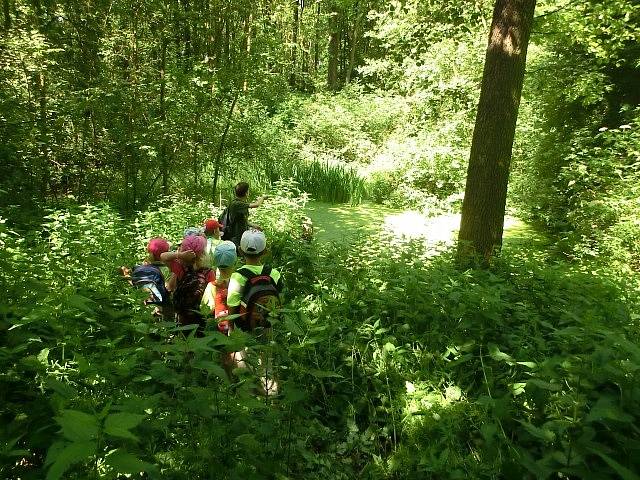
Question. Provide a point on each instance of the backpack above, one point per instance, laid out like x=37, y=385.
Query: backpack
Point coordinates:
x=259, y=297
x=189, y=290
x=150, y=278
x=225, y=219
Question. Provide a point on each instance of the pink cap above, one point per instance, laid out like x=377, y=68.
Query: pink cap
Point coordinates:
x=157, y=246
x=195, y=243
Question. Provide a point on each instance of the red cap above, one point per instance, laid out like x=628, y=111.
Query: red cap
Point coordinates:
x=210, y=225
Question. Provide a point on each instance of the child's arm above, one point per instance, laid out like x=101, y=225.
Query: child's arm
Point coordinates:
x=168, y=257
x=170, y=284
x=234, y=295
x=258, y=202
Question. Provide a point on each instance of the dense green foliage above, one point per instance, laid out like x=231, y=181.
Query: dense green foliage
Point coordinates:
x=528, y=369
x=392, y=362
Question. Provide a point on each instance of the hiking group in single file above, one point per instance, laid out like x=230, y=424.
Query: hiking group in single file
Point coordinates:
x=202, y=271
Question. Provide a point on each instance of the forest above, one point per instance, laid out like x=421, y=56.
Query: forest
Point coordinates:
x=450, y=197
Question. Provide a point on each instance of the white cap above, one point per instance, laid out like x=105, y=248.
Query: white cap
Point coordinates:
x=253, y=242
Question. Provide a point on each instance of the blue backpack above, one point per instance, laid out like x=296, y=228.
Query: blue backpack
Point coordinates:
x=150, y=279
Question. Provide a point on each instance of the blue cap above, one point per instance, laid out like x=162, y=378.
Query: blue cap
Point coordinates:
x=224, y=255
x=192, y=231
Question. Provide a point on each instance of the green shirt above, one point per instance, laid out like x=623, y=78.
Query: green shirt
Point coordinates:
x=238, y=281
x=239, y=214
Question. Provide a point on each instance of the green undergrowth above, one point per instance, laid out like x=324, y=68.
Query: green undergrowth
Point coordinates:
x=390, y=364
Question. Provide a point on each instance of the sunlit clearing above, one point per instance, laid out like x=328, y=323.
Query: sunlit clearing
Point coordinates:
x=437, y=230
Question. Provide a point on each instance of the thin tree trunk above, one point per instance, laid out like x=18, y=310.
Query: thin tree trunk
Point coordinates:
x=247, y=33
x=354, y=41
x=294, y=42
x=164, y=161
x=44, y=137
x=221, y=147
x=334, y=47
x=316, y=53
x=7, y=14
x=484, y=202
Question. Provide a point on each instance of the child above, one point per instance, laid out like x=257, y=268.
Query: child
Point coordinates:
x=212, y=234
x=191, y=279
x=254, y=293
x=192, y=231
x=252, y=246
x=150, y=277
x=224, y=257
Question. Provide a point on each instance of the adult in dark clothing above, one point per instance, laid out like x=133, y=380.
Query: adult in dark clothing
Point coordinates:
x=239, y=212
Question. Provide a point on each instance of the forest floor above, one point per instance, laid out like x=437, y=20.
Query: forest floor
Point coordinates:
x=344, y=223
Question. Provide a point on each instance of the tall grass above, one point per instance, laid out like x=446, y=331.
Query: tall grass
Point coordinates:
x=322, y=180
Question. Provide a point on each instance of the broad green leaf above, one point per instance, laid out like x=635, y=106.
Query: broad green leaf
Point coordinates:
x=293, y=327
x=124, y=462
x=624, y=472
x=293, y=395
x=119, y=424
x=78, y=426
x=544, y=385
x=62, y=457
x=81, y=303
x=43, y=356
x=607, y=408
x=517, y=388
x=63, y=389
x=499, y=356
x=531, y=365
x=249, y=441
x=540, y=433
x=211, y=367
x=389, y=347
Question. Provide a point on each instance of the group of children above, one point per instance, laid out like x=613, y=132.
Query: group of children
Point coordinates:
x=207, y=270
x=202, y=271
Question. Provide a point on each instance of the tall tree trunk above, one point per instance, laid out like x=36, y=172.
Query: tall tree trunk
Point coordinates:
x=227, y=43
x=483, y=207
x=218, y=160
x=294, y=41
x=316, y=48
x=7, y=14
x=247, y=47
x=354, y=40
x=164, y=161
x=334, y=47
x=44, y=136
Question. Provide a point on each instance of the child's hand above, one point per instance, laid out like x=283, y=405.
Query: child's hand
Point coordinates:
x=224, y=326
x=187, y=256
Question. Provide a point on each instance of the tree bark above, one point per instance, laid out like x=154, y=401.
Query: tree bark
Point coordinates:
x=316, y=48
x=44, y=136
x=294, y=41
x=484, y=202
x=334, y=47
x=354, y=40
x=164, y=161
x=7, y=14
x=221, y=147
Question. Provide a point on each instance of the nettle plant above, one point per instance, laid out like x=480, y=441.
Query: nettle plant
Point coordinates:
x=94, y=386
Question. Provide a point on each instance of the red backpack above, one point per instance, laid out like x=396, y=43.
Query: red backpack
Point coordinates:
x=188, y=294
x=260, y=297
